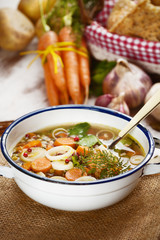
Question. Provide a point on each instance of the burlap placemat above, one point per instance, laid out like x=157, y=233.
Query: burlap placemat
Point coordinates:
x=135, y=218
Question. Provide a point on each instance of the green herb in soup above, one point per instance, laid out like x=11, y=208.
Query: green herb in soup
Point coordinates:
x=77, y=152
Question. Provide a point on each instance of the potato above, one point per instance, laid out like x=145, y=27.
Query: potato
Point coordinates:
x=39, y=28
x=16, y=30
x=32, y=10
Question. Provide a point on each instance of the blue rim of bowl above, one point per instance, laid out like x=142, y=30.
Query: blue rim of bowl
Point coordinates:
x=86, y=107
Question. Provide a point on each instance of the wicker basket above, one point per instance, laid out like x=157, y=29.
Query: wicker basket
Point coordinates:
x=106, y=45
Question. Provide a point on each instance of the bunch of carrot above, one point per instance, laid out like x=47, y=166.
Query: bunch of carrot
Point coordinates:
x=70, y=84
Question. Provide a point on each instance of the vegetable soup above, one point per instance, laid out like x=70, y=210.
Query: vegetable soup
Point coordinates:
x=77, y=152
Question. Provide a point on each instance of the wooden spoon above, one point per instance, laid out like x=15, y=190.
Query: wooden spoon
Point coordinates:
x=150, y=105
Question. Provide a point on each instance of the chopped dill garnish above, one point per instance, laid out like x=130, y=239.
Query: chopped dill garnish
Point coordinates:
x=102, y=164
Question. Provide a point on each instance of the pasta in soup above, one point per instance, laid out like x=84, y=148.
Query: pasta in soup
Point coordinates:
x=77, y=152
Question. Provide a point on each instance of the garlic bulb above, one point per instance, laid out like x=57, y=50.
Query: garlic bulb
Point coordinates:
x=113, y=102
x=152, y=91
x=130, y=79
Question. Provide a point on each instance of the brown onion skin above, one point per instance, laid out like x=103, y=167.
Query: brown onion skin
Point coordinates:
x=135, y=89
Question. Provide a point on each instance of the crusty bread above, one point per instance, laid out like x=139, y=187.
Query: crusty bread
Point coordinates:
x=136, y=19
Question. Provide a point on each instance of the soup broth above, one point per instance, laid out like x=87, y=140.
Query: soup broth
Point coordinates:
x=77, y=152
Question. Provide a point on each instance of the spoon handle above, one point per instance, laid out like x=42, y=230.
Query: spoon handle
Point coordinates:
x=150, y=105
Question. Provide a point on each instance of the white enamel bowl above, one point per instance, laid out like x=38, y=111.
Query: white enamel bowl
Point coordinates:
x=74, y=196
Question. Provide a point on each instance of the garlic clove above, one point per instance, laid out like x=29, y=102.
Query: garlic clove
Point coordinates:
x=104, y=100
x=119, y=104
x=116, y=103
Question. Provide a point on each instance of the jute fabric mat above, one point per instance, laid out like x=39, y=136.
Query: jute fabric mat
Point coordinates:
x=137, y=217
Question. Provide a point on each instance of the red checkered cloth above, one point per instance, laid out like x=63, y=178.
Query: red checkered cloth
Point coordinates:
x=128, y=47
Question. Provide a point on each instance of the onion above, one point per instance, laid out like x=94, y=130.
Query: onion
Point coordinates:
x=85, y=178
x=113, y=102
x=152, y=91
x=59, y=153
x=59, y=178
x=61, y=165
x=58, y=130
x=36, y=152
x=130, y=79
x=136, y=159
